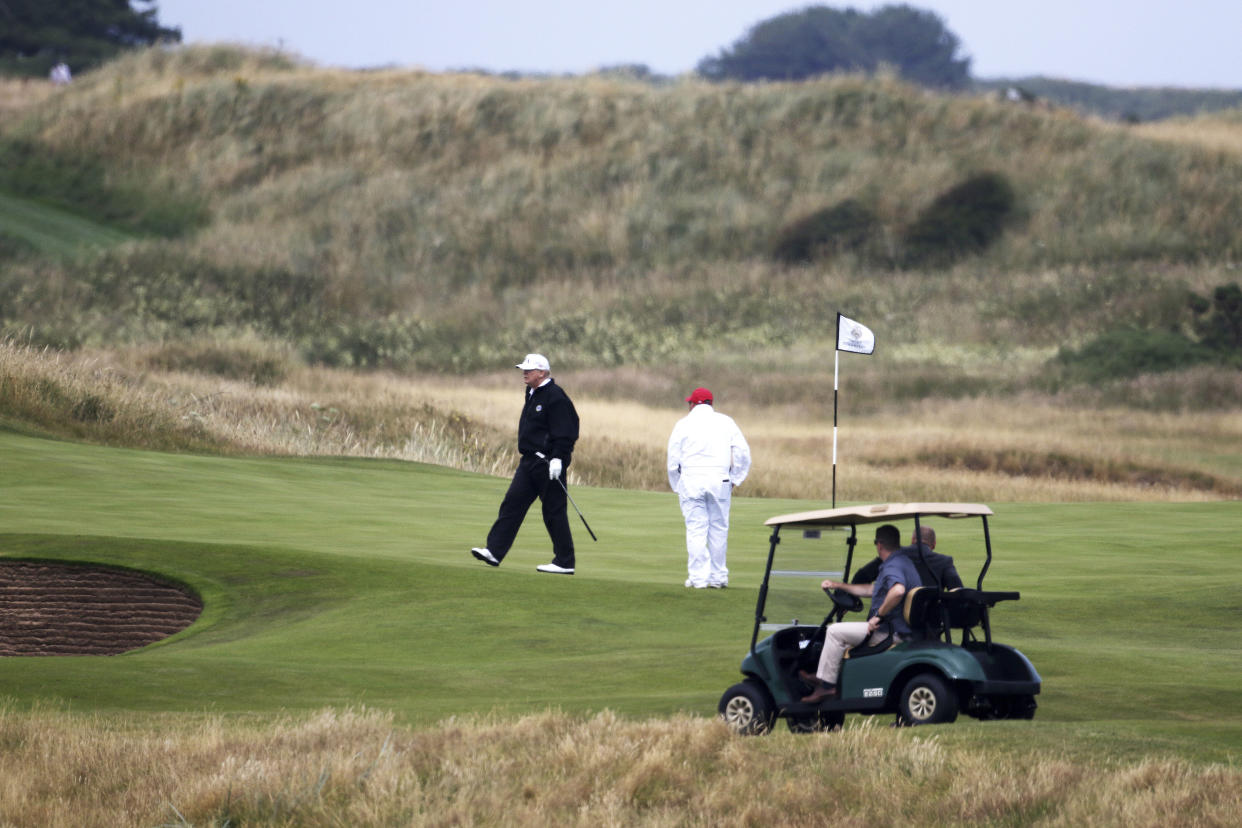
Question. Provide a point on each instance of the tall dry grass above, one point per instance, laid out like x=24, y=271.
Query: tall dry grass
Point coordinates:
x=356, y=767
x=18, y=94
x=1217, y=131
x=1029, y=448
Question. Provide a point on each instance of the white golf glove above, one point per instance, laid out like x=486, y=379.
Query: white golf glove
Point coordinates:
x=554, y=468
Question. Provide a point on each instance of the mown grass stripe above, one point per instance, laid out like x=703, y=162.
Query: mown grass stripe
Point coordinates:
x=52, y=230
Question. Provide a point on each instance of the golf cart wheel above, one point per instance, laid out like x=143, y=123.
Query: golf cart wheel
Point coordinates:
x=819, y=723
x=747, y=708
x=926, y=699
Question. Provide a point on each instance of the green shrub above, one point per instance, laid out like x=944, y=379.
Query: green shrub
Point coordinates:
x=239, y=360
x=844, y=227
x=1127, y=352
x=1218, y=322
x=964, y=219
x=393, y=342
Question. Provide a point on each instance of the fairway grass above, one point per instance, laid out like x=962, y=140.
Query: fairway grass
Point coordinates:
x=335, y=582
x=51, y=230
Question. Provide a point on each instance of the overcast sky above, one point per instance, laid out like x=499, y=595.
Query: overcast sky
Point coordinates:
x=1191, y=43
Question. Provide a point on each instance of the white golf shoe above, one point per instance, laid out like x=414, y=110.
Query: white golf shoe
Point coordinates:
x=484, y=555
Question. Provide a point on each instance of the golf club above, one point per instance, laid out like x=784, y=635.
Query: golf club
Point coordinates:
x=540, y=455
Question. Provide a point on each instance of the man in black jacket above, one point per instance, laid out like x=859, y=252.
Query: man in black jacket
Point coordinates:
x=933, y=567
x=547, y=431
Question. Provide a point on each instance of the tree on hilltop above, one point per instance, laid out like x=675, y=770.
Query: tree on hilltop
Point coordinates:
x=36, y=34
x=819, y=39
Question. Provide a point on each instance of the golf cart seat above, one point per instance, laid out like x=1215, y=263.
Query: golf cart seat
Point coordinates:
x=861, y=650
x=924, y=613
x=932, y=614
x=964, y=609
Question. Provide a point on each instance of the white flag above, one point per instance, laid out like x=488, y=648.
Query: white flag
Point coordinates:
x=853, y=337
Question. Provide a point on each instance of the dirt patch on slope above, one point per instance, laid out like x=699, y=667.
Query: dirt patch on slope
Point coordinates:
x=75, y=609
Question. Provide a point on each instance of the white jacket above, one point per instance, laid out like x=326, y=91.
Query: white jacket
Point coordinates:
x=706, y=449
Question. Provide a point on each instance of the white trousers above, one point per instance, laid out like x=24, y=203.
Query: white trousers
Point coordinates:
x=838, y=638
x=706, y=510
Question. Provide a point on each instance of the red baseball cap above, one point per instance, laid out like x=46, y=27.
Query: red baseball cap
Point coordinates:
x=699, y=395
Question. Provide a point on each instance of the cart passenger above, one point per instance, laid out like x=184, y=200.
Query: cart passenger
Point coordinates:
x=933, y=567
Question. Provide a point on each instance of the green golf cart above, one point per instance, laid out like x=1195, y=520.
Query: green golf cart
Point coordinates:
x=949, y=664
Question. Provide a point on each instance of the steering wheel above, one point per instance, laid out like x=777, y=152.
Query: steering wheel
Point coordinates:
x=844, y=600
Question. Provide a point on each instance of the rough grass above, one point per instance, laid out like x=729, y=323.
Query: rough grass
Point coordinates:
x=78, y=399
x=355, y=767
x=253, y=397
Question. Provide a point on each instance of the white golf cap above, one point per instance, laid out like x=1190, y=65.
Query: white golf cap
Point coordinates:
x=534, y=362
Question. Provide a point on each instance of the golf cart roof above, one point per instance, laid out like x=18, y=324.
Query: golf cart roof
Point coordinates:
x=878, y=513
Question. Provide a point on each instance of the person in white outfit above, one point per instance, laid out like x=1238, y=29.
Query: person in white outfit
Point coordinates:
x=707, y=458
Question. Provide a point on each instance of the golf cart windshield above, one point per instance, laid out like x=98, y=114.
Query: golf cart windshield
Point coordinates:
x=804, y=559
x=808, y=547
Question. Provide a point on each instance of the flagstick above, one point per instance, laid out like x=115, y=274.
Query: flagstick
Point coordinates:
x=836, y=367
x=836, y=373
x=862, y=341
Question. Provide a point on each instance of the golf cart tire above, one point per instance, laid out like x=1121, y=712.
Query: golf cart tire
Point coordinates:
x=819, y=723
x=747, y=708
x=927, y=699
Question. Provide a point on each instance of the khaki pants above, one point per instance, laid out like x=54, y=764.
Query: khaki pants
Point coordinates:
x=838, y=638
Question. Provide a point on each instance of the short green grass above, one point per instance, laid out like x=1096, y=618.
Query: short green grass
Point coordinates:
x=341, y=582
x=52, y=230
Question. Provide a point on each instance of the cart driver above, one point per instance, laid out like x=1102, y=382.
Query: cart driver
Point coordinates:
x=896, y=576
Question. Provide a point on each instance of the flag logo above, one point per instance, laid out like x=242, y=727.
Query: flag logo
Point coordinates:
x=854, y=337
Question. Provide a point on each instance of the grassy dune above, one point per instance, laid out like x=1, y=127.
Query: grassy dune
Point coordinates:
x=442, y=222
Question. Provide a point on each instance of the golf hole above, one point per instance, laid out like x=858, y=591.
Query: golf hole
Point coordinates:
x=50, y=608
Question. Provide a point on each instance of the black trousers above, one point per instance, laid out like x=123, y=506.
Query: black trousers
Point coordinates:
x=531, y=481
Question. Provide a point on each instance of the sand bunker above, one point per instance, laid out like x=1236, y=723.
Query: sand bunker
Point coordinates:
x=70, y=609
